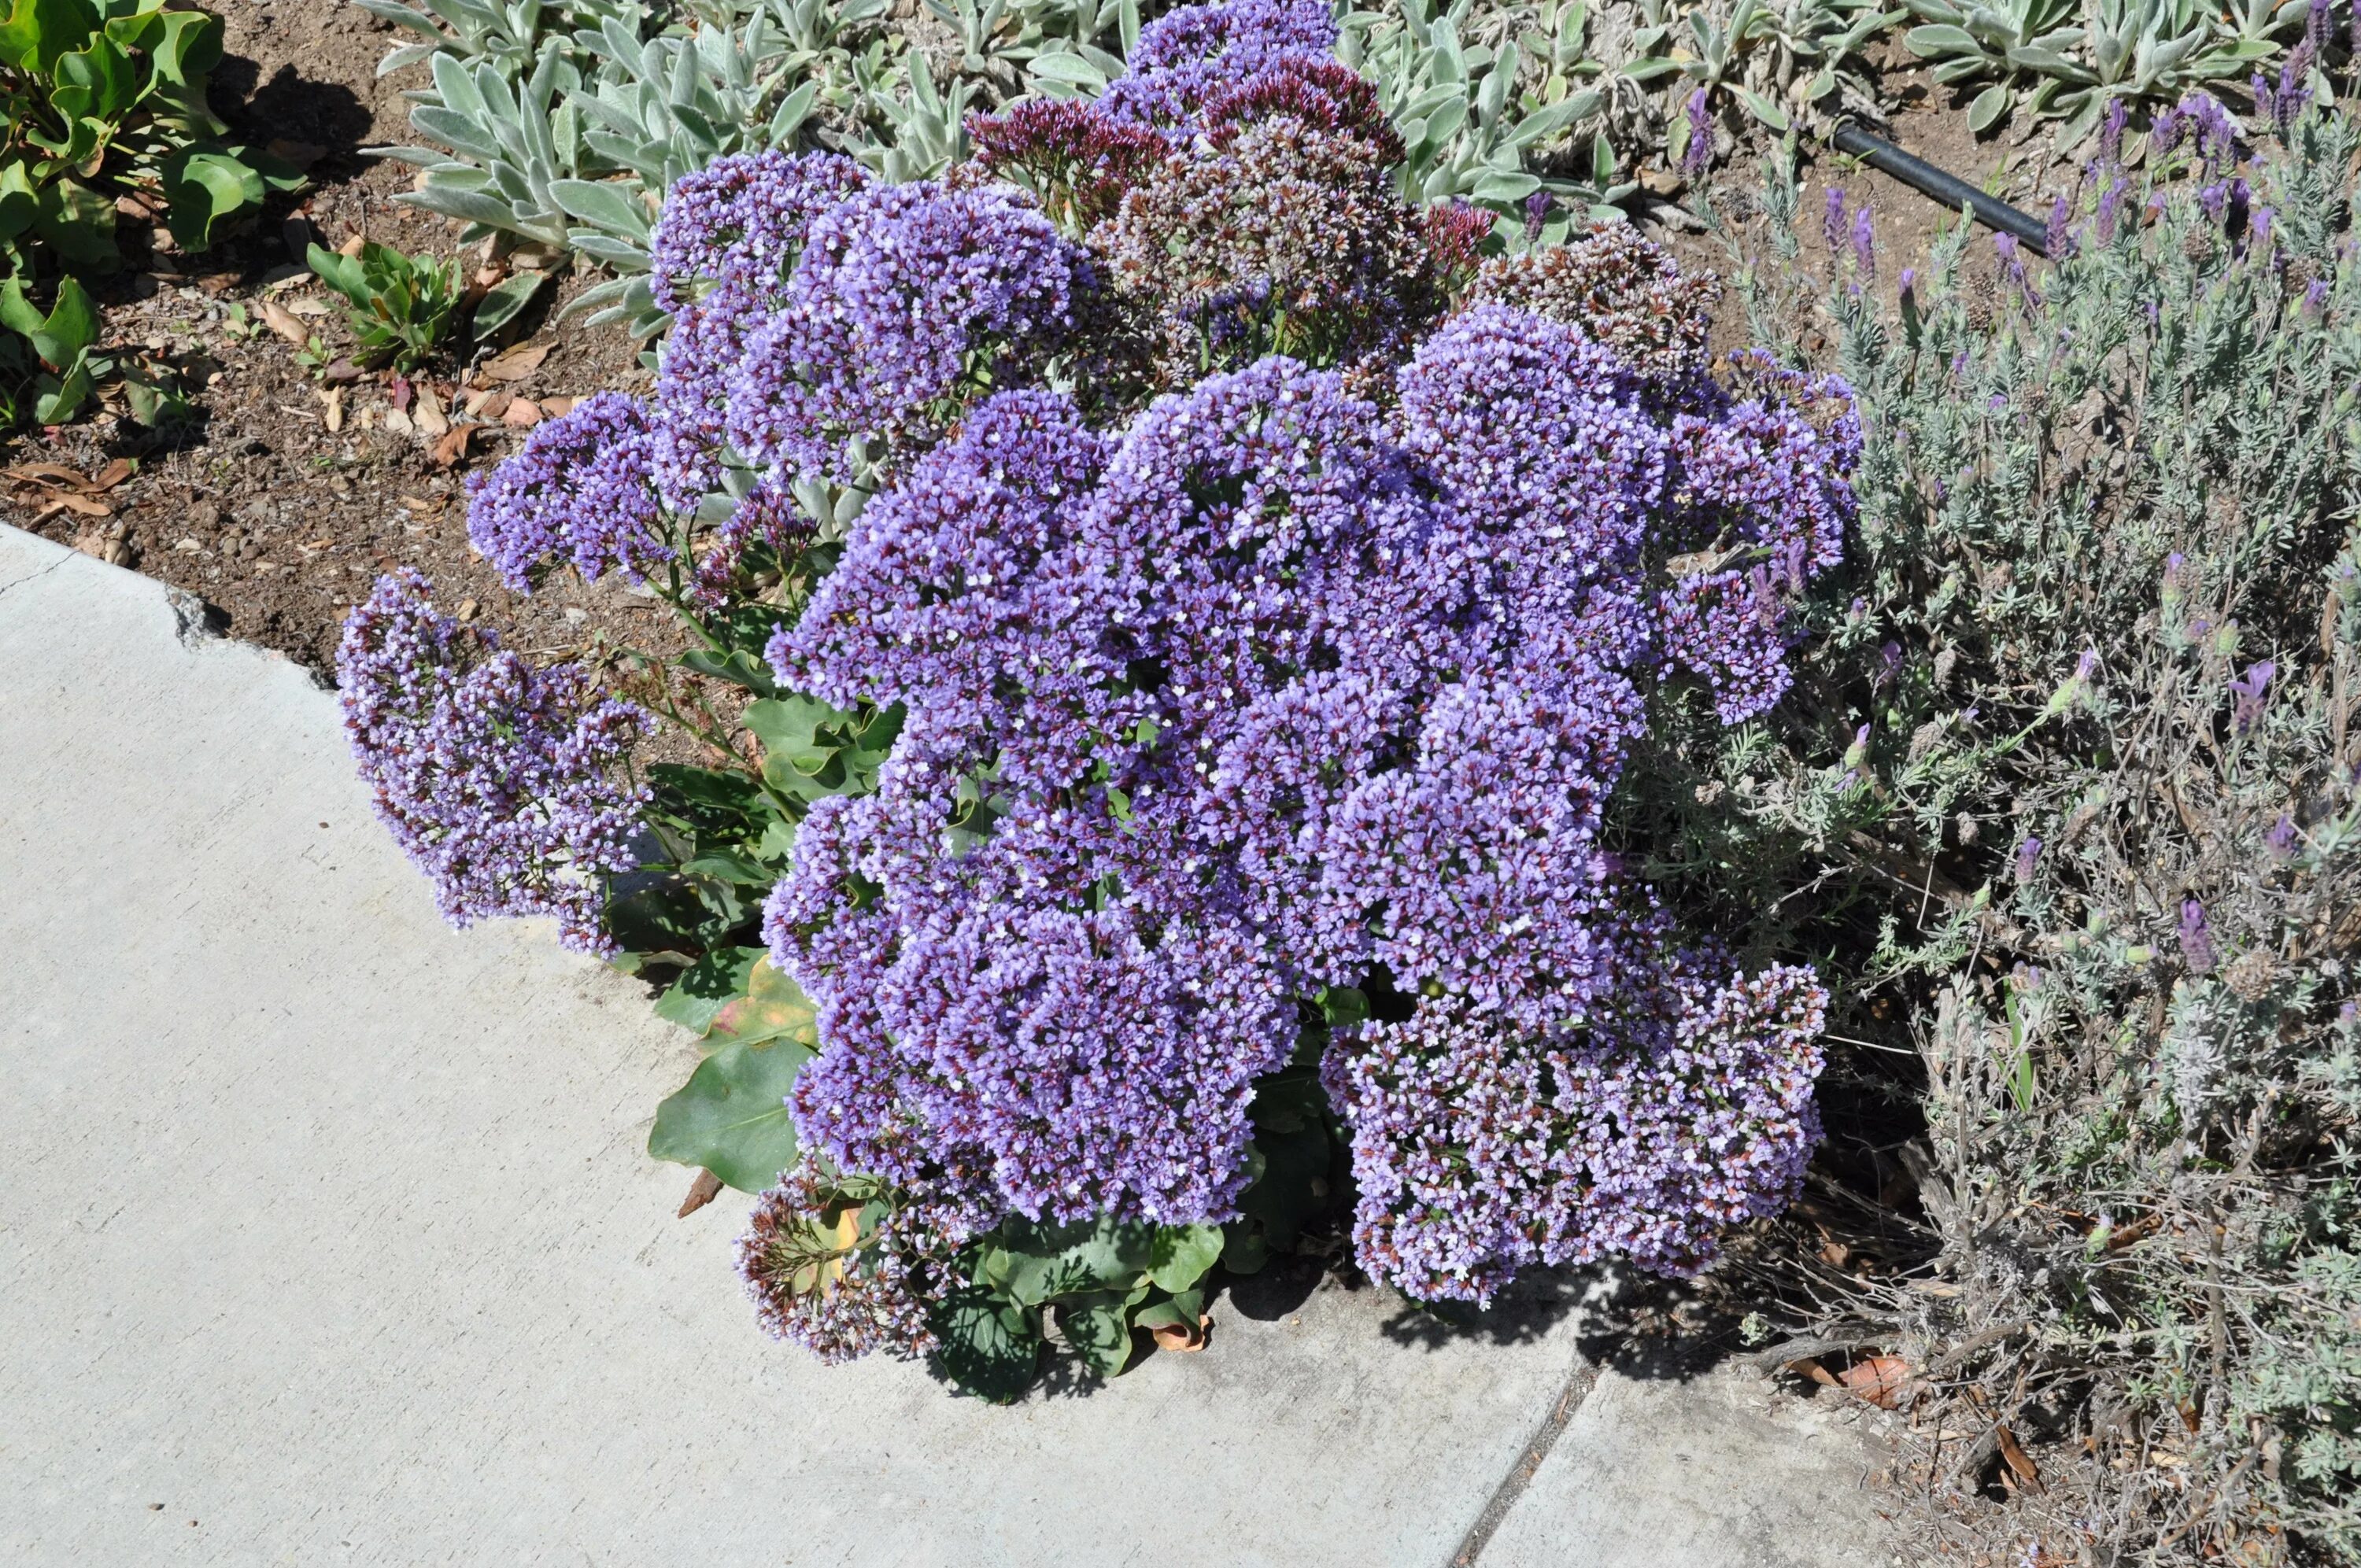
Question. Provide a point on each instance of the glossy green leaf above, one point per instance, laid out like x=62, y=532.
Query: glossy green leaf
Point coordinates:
x=715, y=980
x=55, y=399
x=207, y=190
x=1099, y=1330
x=986, y=1346
x=36, y=32
x=731, y=1117
x=77, y=223
x=1182, y=1254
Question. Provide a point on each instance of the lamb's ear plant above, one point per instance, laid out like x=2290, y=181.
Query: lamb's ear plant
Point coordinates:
x=1497, y=123
x=2071, y=762
x=2069, y=60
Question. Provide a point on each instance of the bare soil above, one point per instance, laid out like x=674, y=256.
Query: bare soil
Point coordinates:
x=261, y=510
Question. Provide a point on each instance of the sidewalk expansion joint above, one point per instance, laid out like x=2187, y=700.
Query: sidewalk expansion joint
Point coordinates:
x=1579, y=1383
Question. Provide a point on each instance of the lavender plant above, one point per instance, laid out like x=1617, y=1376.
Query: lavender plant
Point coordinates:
x=1170, y=644
x=2070, y=759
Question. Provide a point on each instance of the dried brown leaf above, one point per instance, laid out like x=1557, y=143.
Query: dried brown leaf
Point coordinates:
x=2020, y=1464
x=517, y=362
x=703, y=1191
x=1882, y=1380
x=281, y=320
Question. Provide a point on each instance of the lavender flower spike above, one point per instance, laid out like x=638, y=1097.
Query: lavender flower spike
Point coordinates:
x=2196, y=938
x=1698, y=154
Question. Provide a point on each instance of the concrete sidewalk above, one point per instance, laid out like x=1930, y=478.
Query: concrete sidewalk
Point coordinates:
x=328, y=1235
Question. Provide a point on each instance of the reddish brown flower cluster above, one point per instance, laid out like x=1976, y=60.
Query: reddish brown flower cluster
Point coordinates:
x=1288, y=239
x=1623, y=292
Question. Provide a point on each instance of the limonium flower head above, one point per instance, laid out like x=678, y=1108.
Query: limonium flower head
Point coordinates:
x=1285, y=237
x=1193, y=52
x=583, y=488
x=1272, y=689
x=742, y=219
x=828, y=1270
x=903, y=298
x=1271, y=594
x=1480, y=1151
x=498, y=779
x=1619, y=289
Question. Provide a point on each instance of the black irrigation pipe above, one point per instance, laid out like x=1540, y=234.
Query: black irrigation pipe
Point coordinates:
x=1949, y=189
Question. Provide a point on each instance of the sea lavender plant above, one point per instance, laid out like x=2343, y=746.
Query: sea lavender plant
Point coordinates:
x=1225, y=691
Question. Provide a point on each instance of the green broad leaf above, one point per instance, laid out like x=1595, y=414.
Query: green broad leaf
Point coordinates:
x=1245, y=1249
x=1069, y=69
x=100, y=82
x=36, y=32
x=772, y=1007
x=988, y=1347
x=1500, y=187
x=62, y=336
x=207, y=188
x=507, y=300
x=740, y=668
x=731, y=1117
x=345, y=274
x=1034, y=1264
x=1099, y=1329
x=612, y=206
x=1182, y=1254
x=186, y=48
x=1935, y=42
x=1762, y=108
x=77, y=223
x=19, y=206
x=1344, y=1004
x=155, y=404
x=717, y=978
x=659, y=920
x=57, y=400
x=1181, y=1310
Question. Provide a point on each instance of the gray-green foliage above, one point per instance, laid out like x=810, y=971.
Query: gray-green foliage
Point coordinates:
x=562, y=124
x=2069, y=59
x=2071, y=768
x=1771, y=58
x=1489, y=105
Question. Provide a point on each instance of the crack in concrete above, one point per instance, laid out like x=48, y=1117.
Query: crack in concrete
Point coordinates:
x=1579, y=1383
x=8, y=589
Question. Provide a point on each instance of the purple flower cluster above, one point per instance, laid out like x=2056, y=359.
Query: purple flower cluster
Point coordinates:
x=904, y=297
x=582, y=488
x=1237, y=189
x=739, y=222
x=1481, y=1150
x=1193, y=52
x=1271, y=691
x=1317, y=673
x=498, y=779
